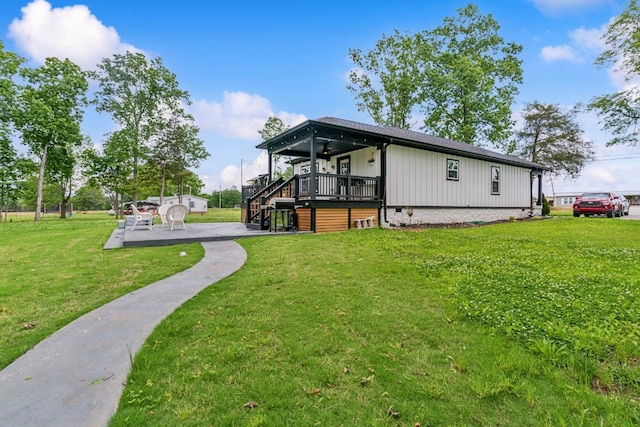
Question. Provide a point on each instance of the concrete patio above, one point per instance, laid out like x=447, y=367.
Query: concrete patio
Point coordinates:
x=196, y=232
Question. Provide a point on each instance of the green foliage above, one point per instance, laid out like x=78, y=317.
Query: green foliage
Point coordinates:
x=49, y=116
x=141, y=96
x=553, y=138
x=472, y=78
x=54, y=271
x=461, y=76
x=227, y=198
x=387, y=82
x=273, y=127
x=9, y=65
x=546, y=208
x=89, y=197
x=110, y=169
x=620, y=112
x=371, y=327
x=177, y=148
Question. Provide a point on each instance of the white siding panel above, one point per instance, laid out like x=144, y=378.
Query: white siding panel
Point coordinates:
x=419, y=178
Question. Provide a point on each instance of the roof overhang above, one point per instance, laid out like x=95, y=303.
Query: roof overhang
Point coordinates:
x=337, y=136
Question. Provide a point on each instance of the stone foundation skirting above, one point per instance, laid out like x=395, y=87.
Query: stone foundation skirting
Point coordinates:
x=454, y=215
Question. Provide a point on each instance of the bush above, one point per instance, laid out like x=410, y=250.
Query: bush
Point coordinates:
x=546, y=209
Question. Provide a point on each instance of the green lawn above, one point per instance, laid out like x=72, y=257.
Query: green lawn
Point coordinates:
x=520, y=323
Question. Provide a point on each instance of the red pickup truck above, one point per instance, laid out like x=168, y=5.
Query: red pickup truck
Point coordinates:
x=605, y=203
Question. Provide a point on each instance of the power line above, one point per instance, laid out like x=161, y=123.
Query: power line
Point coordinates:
x=612, y=157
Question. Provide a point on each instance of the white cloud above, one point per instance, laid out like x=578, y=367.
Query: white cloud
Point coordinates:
x=239, y=115
x=588, y=39
x=614, y=168
x=585, y=45
x=233, y=175
x=559, y=53
x=559, y=7
x=66, y=32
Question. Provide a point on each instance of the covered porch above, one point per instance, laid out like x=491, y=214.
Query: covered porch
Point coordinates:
x=338, y=178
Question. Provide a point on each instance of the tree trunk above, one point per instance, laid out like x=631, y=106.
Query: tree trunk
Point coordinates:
x=164, y=175
x=135, y=178
x=43, y=160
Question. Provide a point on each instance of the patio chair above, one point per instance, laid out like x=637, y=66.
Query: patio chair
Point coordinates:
x=141, y=218
x=176, y=214
x=162, y=211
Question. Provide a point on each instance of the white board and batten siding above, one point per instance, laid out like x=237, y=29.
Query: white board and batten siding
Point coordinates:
x=418, y=178
x=359, y=162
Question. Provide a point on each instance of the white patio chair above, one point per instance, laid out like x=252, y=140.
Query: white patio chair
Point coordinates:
x=162, y=211
x=176, y=215
x=142, y=218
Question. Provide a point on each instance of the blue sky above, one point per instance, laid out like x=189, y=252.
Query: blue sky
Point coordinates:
x=242, y=62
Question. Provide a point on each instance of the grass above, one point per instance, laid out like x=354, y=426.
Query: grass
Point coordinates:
x=526, y=323
x=521, y=323
x=212, y=215
x=56, y=270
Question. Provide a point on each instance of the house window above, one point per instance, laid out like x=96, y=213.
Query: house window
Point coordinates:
x=306, y=168
x=495, y=179
x=192, y=205
x=452, y=169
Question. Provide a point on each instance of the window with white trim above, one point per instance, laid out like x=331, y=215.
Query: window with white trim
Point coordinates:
x=452, y=169
x=495, y=179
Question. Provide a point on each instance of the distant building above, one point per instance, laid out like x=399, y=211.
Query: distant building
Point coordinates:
x=196, y=204
x=566, y=199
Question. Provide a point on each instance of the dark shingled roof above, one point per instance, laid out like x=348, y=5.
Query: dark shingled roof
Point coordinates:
x=393, y=135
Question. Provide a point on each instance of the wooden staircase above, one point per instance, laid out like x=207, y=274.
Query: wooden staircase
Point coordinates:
x=257, y=216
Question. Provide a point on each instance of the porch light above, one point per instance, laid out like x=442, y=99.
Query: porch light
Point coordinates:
x=325, y=149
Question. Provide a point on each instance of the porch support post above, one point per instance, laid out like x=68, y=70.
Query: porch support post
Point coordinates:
x=382, y=190
x=270, y=166
x=312, y=156
x=540, y=173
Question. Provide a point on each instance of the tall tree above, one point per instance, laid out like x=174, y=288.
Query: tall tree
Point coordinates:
x=51, y=109
x=620, y=112
x=177, y=149
x=553, y=137
x=387, y=82
x=9, y=65
x=14, y=170
x=62, y=170
x=472, y=77
x=227, y=198
x=139, y=94
x=461, y=76
x=10, y=170
x=275, y=126
x=89, y=197
x=110, y=169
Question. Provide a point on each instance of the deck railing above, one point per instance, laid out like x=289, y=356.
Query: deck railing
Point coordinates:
x=339, y=187
x=257, y=199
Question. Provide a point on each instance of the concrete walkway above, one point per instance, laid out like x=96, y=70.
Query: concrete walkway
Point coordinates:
x=75, y=377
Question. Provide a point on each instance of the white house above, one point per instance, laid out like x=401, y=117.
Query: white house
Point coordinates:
x=347, y=170
x=196, y=204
